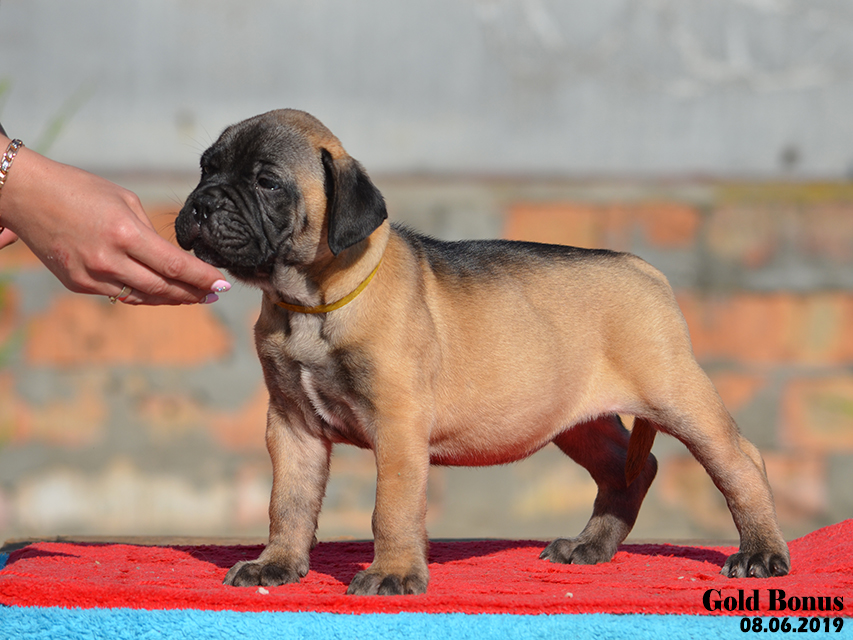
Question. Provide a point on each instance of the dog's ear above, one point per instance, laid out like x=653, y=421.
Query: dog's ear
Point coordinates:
x=355, y=206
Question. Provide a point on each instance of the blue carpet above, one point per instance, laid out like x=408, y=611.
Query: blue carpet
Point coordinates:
x=48, y=623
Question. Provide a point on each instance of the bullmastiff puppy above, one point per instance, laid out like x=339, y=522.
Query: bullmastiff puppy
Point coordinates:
x=450, y=353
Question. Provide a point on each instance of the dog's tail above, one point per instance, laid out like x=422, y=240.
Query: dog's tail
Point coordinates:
x=639, y=448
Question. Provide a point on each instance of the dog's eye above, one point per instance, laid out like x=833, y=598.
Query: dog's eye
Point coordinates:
x=268, y=183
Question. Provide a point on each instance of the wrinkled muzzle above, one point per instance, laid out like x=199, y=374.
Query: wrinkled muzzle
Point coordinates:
x=228, y=230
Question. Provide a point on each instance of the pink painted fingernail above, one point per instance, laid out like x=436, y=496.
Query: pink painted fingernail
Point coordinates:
x=210, y=298
x=220, y=285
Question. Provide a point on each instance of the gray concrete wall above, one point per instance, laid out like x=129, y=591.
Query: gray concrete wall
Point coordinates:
x=567, y=87
x=549, y=92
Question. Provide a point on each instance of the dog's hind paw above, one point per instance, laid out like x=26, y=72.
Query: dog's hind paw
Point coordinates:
x=367, y=583
x=576, y=551
x=253, y=574
x=756, y=565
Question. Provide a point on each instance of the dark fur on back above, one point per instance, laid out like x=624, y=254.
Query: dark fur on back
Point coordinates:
x=476, y=258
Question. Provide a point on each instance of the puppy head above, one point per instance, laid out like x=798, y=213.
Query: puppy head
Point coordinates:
x=277, y=189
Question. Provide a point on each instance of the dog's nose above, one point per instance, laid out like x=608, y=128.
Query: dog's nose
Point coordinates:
x=201, y=212
x=204, y=204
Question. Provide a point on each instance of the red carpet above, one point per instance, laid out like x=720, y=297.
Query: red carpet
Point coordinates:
x=466, y=577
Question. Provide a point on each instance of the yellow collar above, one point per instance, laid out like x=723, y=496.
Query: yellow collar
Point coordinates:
x=325, y=308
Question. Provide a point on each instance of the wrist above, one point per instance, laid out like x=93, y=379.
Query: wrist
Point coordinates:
x=13, y=193
x=7, y=159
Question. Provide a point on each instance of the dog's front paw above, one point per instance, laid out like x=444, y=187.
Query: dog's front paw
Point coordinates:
x=756, y=565
x=253, y=574
x=577, y=551
x=368, y=583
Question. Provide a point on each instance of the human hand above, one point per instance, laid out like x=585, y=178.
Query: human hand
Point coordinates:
x=95, y=237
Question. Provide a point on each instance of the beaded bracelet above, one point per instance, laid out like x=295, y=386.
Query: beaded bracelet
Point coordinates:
x=6, y=163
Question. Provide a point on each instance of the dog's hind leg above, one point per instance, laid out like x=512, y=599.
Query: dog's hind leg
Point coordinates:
x=694, y=413
x=601, y=447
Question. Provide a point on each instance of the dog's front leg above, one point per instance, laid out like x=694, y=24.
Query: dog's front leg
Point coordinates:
x=300, y=472
x=399, y=518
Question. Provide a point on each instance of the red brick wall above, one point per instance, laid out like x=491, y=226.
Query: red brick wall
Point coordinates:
x=121, y=420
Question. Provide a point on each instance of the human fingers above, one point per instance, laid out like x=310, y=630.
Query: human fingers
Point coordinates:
x=7, y=237
x=105, y=267
x=173, y=273
x=129, y=295
x=137, y=284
